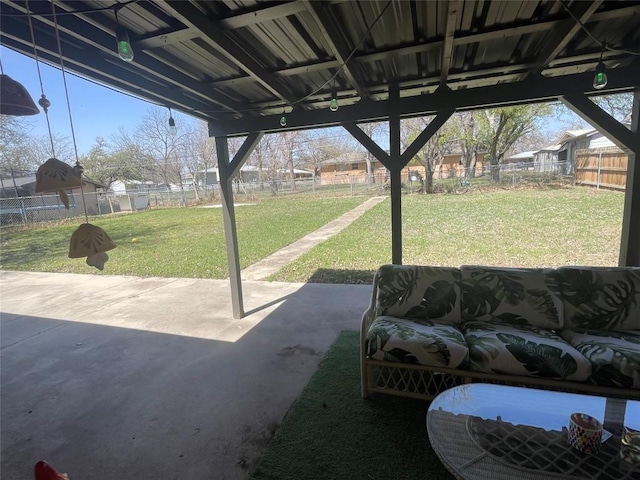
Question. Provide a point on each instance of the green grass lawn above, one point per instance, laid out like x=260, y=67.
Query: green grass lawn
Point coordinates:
x=527, y=228
x=181, y=242
x=537, y=227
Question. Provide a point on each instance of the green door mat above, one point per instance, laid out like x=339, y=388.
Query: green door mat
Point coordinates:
x=332, y=433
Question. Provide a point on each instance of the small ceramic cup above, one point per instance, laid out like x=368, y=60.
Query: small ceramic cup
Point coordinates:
x=585, y=433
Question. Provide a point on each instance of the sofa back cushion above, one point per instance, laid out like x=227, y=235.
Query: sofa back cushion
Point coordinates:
x=602, y=298
x=417, y=292
x=516, y=296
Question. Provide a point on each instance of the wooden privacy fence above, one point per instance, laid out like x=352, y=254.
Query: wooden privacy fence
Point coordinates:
x=601, y=167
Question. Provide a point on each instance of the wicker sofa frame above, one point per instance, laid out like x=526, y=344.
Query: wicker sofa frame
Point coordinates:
x=425, y=382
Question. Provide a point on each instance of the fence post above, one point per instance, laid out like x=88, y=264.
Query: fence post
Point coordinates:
x=599, y=166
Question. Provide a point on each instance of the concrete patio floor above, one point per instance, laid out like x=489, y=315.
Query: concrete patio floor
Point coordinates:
x=115, y=377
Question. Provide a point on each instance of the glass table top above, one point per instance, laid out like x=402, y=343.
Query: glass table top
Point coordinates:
x=527, y=406
x=485, y=431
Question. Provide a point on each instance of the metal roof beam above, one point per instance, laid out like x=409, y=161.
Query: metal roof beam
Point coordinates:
x=532, y=90
x=74, y=30
x=105, y=71
x=191, y=16
x=564, y=33
x=261, y=15
x=447, y=49
x=339, y=48
x=164, y=37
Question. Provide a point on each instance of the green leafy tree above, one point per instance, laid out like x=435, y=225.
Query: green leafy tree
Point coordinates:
x=500, y=128
x=106, y=165
x=618, y=105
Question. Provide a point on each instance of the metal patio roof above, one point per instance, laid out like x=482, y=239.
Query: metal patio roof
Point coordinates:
x=241, y=64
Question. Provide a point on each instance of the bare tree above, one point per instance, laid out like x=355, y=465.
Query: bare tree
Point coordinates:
x=155, y=138
x=319, y=146
x=288, y=153
x=200, y=150
x=431, y=155
x=372, y=130
x=15, y=146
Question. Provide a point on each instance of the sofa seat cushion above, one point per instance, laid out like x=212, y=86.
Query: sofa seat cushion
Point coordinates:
x=516, y=296
x=601, y=298
x=614, y=355
x=420, y=293
x=523, y=350
x=394, y=339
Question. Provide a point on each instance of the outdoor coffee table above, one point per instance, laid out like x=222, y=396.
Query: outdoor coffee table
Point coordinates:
x=484, y=431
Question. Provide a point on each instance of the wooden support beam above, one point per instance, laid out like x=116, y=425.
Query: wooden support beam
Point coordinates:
x=630, y=238
x=368, y=143
x=601, y=120
x=395, y=160
x=227, y=169
x=426, y=134
x=448, y=47
x=532, y=90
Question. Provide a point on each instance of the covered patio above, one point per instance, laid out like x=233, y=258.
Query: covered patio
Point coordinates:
x=249, y=69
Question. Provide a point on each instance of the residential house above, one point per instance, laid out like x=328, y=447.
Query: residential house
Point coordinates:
x=521, y=159
x=546, y=159
x=249, y=174
x=348, y=167
x=19, y=201
x=561, y=157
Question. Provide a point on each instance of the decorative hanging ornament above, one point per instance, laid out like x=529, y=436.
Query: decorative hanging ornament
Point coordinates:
x=92, y=242
x=15, y=99
x=56, y=176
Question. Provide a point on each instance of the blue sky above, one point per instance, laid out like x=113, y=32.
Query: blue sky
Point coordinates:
x=96, y=110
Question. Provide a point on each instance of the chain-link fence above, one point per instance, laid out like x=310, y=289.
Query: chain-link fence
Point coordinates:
x=44, y=208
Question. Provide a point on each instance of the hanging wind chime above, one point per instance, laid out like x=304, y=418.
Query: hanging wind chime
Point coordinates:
x=55, y=175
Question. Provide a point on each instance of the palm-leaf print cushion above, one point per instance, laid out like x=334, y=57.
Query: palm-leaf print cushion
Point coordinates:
x=601, y=298
x=419, y=292
x=395, y=339
x=614, y=355
x=523, y=350
x=516, y=296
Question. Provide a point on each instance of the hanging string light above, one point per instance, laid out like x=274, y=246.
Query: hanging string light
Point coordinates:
x=283, y=119
x=173, y=130
x=334, y=99
x=122, y=38
x=600, y=77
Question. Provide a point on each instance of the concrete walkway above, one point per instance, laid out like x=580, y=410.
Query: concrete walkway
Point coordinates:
x=273, y=263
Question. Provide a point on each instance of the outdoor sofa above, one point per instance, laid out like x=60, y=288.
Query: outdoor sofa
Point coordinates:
x=571, y=328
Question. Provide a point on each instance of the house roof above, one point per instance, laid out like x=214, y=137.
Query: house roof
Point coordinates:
x=239, y=65
x=550, y=148
x=523, y=155
x=27, y=181
x=351, y=156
